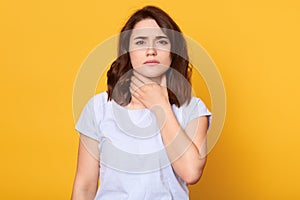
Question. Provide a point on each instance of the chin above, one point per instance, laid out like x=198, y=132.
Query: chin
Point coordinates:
x=152, y=71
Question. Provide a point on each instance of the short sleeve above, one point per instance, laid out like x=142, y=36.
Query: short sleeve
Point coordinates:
x=87, y=123
x=196, y=108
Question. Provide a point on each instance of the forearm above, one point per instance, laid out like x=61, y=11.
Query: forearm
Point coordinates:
x=182, y=152
x=83, y=192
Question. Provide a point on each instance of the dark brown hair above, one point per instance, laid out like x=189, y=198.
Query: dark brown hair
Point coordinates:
x=118, y=76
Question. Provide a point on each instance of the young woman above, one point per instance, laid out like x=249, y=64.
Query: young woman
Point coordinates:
x=145, y=136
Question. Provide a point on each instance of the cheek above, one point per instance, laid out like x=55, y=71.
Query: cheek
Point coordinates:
x=167, y=59
x=134, y=58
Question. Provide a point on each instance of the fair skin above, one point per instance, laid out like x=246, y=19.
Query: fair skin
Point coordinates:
x=149, y=50
x=86, y=179
x=148, y=89
x=150, y=58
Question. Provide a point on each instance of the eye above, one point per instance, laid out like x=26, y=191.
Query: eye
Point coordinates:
x=139, y=42
x=163, y=42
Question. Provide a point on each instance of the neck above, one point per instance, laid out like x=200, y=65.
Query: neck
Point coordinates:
x=156, y=79
x=135, y=104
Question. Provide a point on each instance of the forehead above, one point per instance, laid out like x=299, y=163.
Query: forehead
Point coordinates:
x=147, y=27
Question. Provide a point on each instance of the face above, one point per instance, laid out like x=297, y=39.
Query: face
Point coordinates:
x=149, y=49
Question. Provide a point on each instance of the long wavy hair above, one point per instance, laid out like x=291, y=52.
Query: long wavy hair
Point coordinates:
x=120, y=72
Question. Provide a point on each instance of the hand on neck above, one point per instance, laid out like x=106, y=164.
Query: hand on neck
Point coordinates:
x=156, y=79
x=135, y=104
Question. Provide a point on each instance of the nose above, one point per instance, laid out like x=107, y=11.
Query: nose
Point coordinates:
x=151, y=51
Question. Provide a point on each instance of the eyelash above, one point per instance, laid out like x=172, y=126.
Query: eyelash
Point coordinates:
x=139, y=42
x=163, y=42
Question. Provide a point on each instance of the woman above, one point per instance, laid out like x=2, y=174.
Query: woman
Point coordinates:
x=145, y=136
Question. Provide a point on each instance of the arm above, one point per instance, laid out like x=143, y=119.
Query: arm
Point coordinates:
x=186, y=149
x=86, y=179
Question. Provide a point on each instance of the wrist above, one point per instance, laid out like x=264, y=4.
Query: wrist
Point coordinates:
x=162, y=112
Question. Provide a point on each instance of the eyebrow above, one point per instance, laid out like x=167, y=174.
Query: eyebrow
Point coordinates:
x=145, y=37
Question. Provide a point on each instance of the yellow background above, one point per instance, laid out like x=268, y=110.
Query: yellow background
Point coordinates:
x=255, y=45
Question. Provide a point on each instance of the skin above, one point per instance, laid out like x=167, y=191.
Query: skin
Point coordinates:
x=186, y=149
x=148, y=88
x=87, y=173
x=147, y=43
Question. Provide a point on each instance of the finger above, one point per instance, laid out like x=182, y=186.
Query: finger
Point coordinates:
x=133, y=87
x=142, y=78
x=136, y=96
x=137, y=82
x=133, y=92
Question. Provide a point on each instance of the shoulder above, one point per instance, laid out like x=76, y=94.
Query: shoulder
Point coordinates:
x=98, y=102
x=195, y=102
x=195, y=108
x=98, y=99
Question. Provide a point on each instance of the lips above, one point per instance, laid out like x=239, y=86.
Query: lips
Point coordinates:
x=151, y=62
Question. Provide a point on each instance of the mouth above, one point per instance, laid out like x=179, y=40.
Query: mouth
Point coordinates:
x=151, y=62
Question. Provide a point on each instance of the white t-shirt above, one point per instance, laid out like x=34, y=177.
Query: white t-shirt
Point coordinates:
x=133, y=162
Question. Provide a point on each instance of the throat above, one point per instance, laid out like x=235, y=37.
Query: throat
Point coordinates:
x=135, y=104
